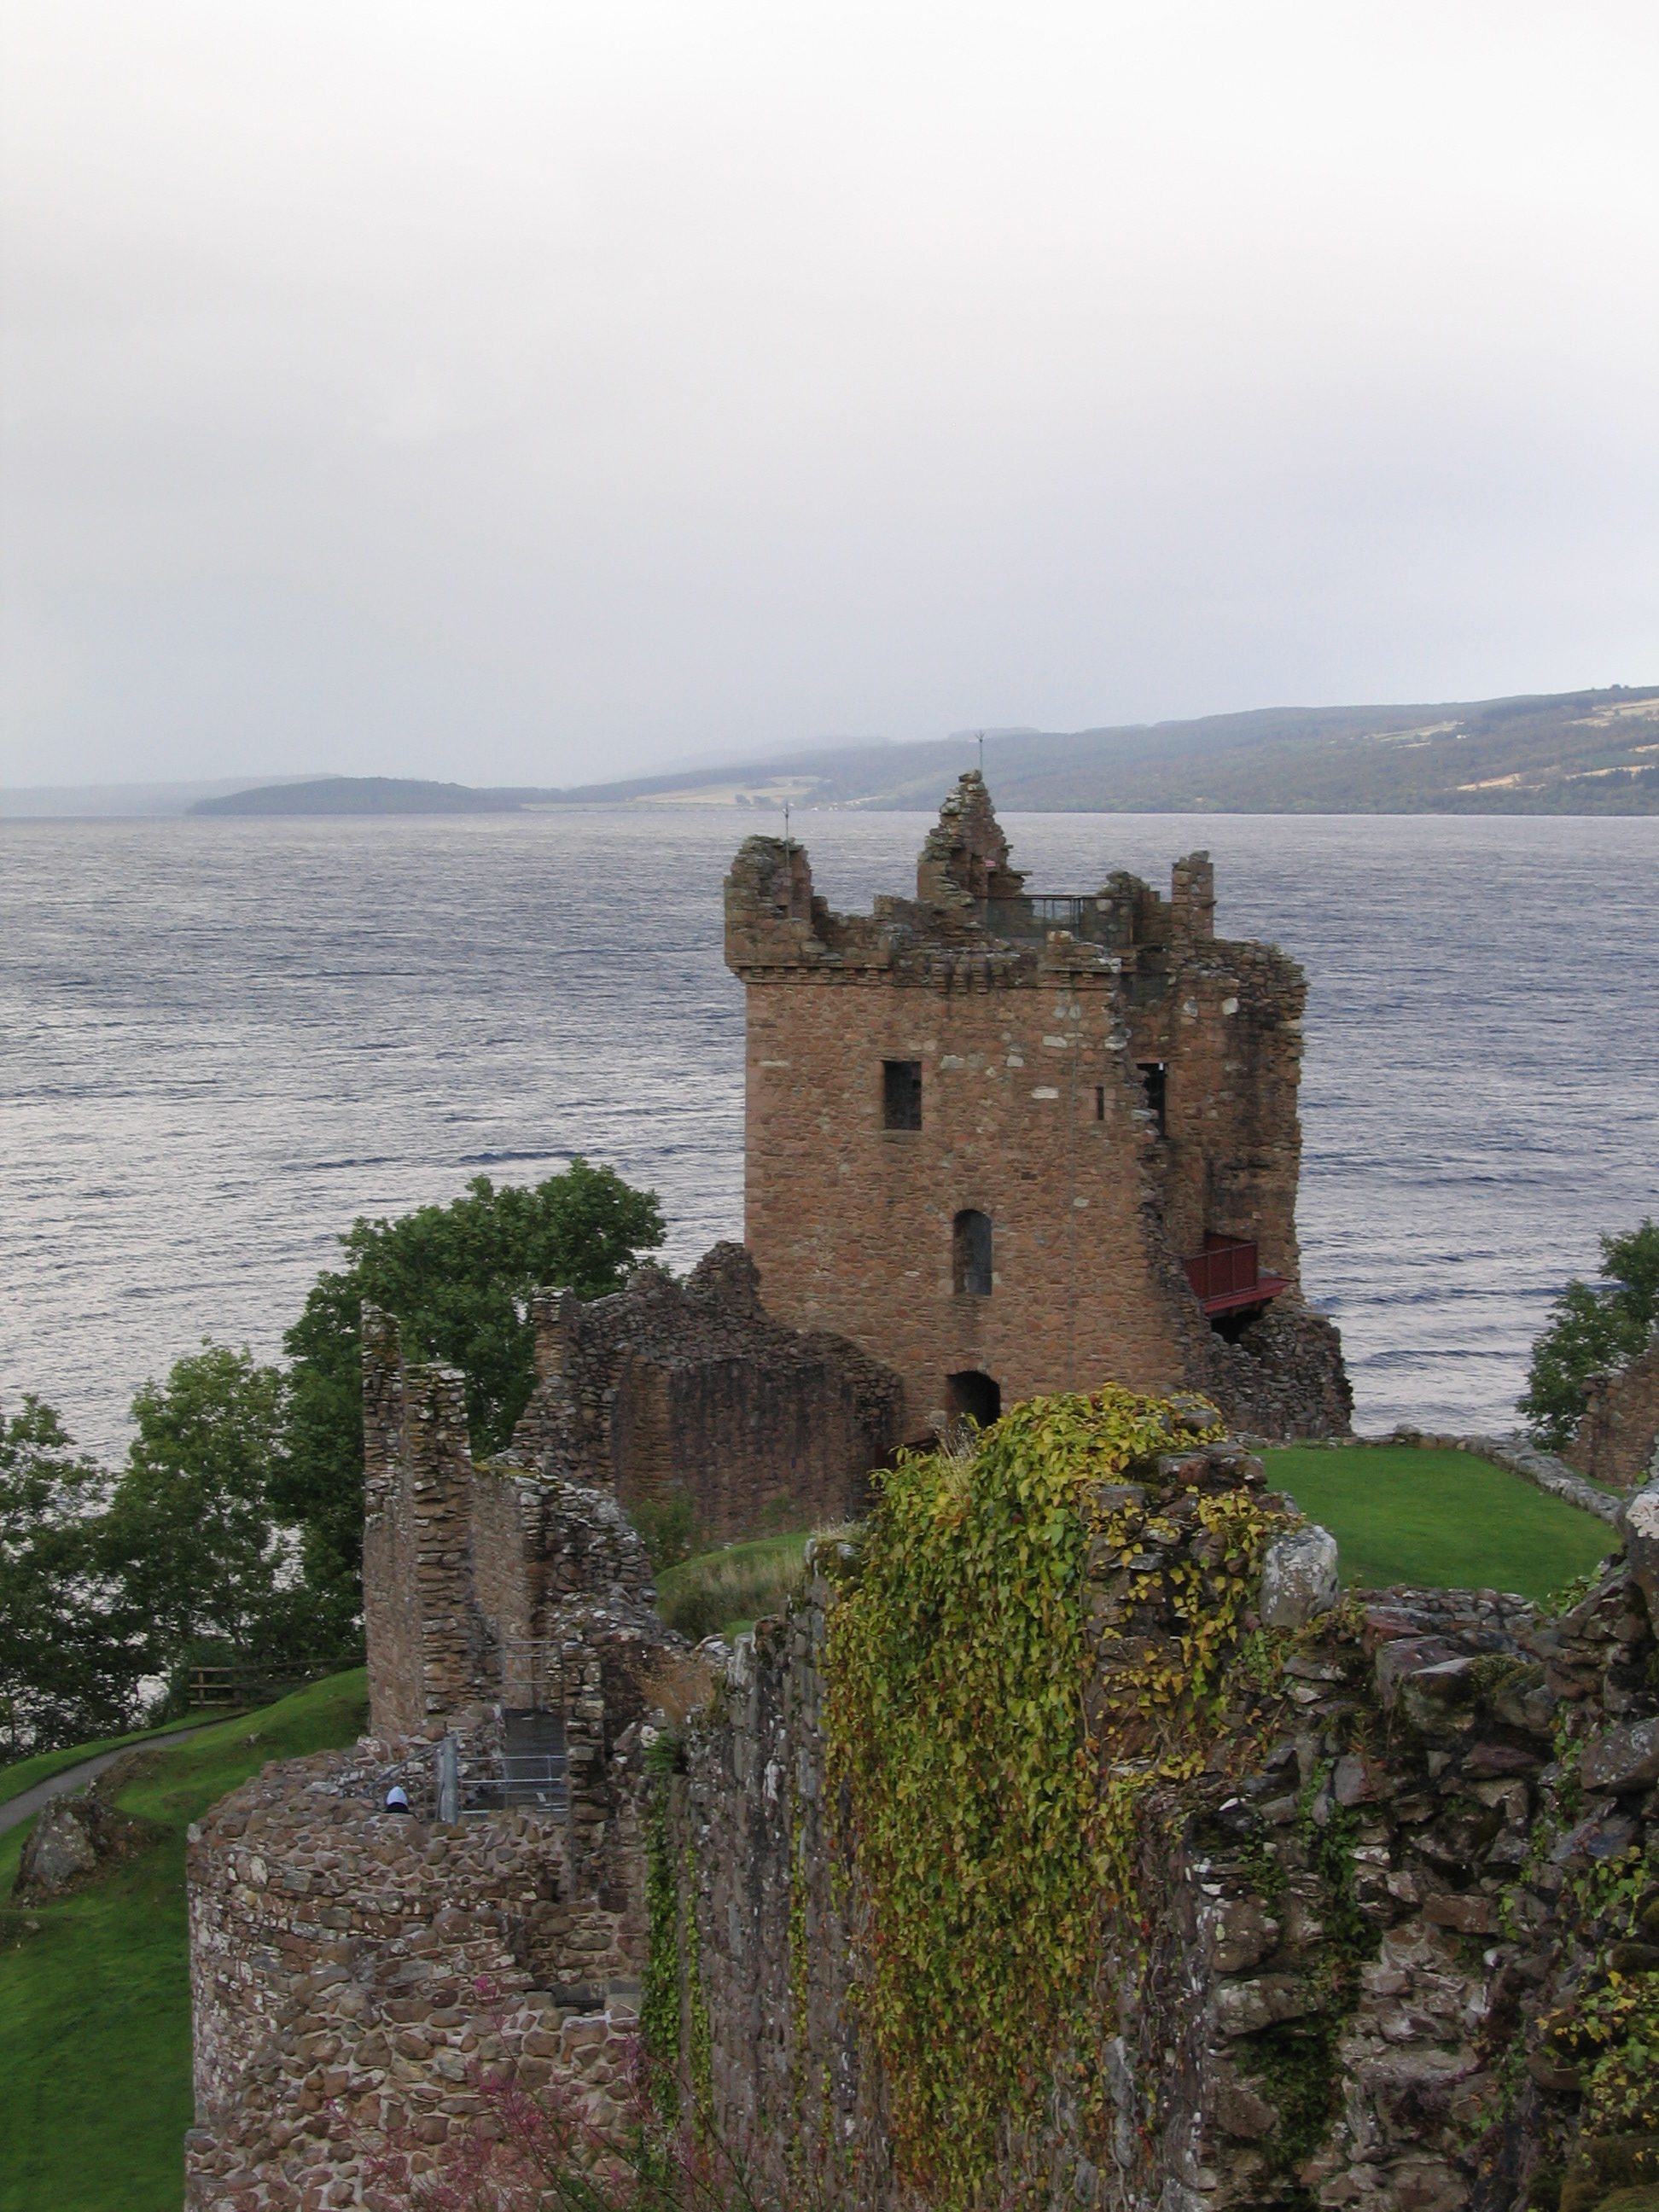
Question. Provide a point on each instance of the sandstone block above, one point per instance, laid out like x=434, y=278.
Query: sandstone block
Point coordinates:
x=1243, y=2113
x=1469, y=1916
x=1242, y=2008
x=1623, y=1759
x=1244, y=1937
x=1299, y=1577
x=1638, y=1525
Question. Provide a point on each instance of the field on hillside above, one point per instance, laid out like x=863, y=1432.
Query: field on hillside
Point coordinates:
x=1440, y=1517
x=94, y=2009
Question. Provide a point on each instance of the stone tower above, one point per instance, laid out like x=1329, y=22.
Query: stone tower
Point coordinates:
x=1012, y=1143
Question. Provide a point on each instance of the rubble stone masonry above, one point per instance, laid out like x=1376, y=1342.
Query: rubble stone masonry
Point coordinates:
x=690, y=1390
x=1347, y=1979
x=1618, y=1436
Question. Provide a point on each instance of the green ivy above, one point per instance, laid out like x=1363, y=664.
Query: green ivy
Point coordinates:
x=659, y=1990
x=702, y=2042
x=991, y=1850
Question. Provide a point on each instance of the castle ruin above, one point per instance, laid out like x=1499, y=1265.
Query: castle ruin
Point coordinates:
x=1366, y=1925
x=1012, y=1143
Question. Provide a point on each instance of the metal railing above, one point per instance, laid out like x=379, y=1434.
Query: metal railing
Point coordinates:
x=533, y=1674
x=1226, y=1275
x=1086, y=914
x=480, y=1783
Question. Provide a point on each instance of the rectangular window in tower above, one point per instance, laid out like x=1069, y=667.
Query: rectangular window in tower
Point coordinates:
x=970, y=1253
x=900, y=1094
x=1100, y=1102
x=1155, y=1081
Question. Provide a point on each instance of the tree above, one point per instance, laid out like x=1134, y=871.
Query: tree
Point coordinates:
x=1592, y=1326
x=66, y=1675
x=190, y=1536
x=459, y=1279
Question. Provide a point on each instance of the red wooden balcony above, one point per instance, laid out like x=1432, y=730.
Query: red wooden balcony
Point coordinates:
x=1226, y=1278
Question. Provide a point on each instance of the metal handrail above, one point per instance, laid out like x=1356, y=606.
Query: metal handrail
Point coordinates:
x=536, y=1781
x=533, y=1673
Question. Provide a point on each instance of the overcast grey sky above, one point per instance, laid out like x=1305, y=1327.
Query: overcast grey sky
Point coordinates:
x=534, y=394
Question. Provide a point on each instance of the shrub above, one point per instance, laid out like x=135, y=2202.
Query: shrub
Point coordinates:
x=1592, y=1326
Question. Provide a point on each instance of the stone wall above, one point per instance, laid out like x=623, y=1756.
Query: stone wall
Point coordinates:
x=1362, y=1931
x=1617, y=1440
x=479, y=1582
x=1357, y=1943
x=352, y=1969
x=1031, y=1041
x=689, y=1391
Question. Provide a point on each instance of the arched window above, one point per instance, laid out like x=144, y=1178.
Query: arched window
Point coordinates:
x=970, y=1252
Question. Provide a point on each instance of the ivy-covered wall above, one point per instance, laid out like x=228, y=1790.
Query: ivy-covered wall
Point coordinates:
x=1372, y=1913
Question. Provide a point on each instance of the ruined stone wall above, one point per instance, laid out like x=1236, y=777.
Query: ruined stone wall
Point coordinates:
x=1356, y=1944
x=690, y=1390
x=1034, y=1111
x=416, y=1534
x=465, y=1567
x=1226, y=1022
x=1617, y=1440
x=1285, y=1377
x=352, y=1969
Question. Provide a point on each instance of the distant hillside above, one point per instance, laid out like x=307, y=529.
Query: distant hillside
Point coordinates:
x=1580, y=752
x=369, y=794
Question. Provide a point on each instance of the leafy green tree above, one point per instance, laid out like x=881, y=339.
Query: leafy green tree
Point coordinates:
x=65, y=1674
x=190, y=1536
x=459, y=1279
x=1592, y=1326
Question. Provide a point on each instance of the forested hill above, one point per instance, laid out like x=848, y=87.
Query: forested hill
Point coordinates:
x=1581, y=752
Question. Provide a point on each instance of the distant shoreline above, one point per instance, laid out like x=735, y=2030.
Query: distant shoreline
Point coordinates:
x=1589, y=754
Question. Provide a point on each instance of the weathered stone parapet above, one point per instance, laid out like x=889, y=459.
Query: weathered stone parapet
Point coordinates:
x=356, y=1972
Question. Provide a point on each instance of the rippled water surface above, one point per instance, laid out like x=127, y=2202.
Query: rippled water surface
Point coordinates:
x=221, y=1040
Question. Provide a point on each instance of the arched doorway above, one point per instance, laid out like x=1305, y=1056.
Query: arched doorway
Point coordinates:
x=977, y=1395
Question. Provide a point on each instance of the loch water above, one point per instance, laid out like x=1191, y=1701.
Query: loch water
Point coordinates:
x=221, y=1041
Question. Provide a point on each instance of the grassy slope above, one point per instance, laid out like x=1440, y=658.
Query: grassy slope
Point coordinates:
x=94, y=2009
x=724, y=1592
x=1439, y=1517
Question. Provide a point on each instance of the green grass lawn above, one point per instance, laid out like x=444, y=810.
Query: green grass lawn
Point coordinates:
x=722, y=1593
x=94, y=2009
x=1444, y=1518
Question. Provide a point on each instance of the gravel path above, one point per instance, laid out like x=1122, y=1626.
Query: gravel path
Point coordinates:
x=29, y=1802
